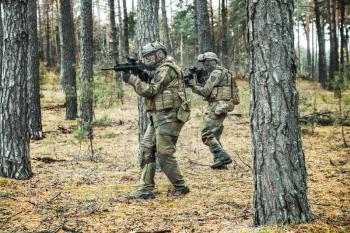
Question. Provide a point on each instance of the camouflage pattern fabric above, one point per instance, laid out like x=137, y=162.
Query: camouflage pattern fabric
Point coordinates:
x=212, y=130
x=216, y=112
x=162, y=133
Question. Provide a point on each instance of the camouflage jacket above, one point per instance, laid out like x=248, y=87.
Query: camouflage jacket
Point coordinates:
x=163, y=93
x=218, y=90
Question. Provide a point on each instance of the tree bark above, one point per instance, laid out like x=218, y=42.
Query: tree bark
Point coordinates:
x=333, y=55
x=280, y=195
x=125, y=29
x=307, y=35
x=41, y=56
x=147, y=30
x=34, y=116
x=47, y=34
x=57, y=35
x=212, y=23
x=87, y=62
x=342, y=36
x=121, y=40
x=1, y=39
x=346, y=45
x=68, y=59
x=115, y=50
x=225, y=48
x=195, y=16
x=204, y=36
x=322, y=67
x=166, y=36
x=14, y=135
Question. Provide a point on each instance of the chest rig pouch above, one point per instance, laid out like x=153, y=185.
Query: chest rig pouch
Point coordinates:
x=173, y=97
x=227, y=89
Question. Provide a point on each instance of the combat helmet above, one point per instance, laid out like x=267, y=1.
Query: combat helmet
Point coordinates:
x=207, y=56
x=153, y=48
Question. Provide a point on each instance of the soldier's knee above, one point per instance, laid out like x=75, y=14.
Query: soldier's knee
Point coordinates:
x=206, y=136
x=165, y=150
x=148, y=155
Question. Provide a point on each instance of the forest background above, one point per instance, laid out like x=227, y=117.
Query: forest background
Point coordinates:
x=85, y=124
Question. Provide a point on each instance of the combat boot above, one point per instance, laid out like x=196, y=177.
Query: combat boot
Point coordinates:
x=179, y=191
x=142, y=195
x=221, y=159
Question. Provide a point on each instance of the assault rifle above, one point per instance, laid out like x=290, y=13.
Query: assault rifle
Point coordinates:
x=133, y=66
x=200, y=74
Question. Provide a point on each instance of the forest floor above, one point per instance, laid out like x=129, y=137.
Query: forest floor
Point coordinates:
x=74, y=192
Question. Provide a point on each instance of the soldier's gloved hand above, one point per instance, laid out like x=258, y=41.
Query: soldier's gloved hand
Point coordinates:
x=126, y=76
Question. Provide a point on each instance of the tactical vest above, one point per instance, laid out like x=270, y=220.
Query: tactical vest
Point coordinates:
x=171, y=97
x=226, y=89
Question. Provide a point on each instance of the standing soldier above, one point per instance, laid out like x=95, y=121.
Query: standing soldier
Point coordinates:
x=165, y=98
x=220, y=90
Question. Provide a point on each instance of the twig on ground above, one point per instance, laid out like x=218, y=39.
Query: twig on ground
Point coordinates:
x=199, y=164
x=54, y=198
x=240, y=158
x=9, y=218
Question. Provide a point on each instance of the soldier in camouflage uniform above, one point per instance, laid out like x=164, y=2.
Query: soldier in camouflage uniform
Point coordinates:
x=220, y=90
x=164, y=93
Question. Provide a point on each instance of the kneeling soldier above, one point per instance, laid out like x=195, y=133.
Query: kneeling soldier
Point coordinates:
x=221, y=93
x=164, y=98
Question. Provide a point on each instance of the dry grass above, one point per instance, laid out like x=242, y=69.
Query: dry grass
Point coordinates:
x=77, y=194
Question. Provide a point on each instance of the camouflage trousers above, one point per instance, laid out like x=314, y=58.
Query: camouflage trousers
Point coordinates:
x=211, y=131
x=161, y=141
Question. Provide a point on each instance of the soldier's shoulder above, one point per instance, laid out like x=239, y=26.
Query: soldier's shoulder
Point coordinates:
x=217, y=72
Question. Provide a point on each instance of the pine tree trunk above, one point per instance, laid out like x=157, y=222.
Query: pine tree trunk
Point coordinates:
x=224, y=34
x=14, y=135
x=114, y=33
x=68, y=59
x=212, y=24
x=147, y=30
x=342, y=36
x=322, y=67
x=1, y=38
x=166, y=36
x=312, y=52
x=87, y=62
x=125, y=29
x=204, y=37
x=280, y=195
x=195, y=17
x=40, y=38
x=307, y=35
x=346, y=45
x=48, y=44
x=121, y=41
x=333, y=55
x=34, y=110
x=57, y=36
x=115, y=50
x=53, y=37
x=99, y=27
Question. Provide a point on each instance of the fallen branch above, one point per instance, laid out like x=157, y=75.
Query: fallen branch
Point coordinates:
x=325, y=118
x=10, y=217
x=240, y=158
